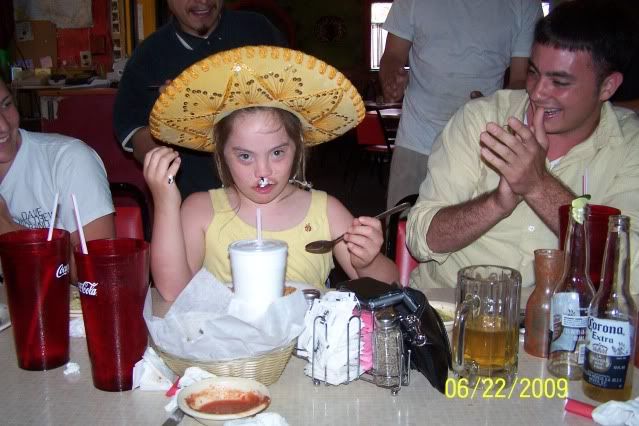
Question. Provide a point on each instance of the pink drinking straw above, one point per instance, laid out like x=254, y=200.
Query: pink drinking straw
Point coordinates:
x=54, y=211
x=83, y=242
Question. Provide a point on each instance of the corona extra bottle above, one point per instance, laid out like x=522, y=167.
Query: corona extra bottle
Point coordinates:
x=570, y=301
x=610, y=336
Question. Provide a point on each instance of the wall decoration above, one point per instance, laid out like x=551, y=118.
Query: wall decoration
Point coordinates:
x=63, y=13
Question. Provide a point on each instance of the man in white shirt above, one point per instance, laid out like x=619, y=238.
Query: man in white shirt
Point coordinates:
x=453, y=48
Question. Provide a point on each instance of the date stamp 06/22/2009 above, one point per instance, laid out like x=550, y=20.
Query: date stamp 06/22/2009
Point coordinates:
x=497, y=388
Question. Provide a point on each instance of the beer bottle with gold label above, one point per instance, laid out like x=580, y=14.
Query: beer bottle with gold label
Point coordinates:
x=610, y=336
x=570, y=301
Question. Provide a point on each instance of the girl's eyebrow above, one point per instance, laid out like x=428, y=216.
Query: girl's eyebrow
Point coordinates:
x=283, y=145
x=240, y=149
x=5, y=99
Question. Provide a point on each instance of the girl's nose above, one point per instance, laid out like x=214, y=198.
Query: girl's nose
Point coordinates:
x=263, y=168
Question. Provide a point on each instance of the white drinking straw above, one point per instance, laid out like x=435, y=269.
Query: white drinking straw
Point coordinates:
x=54, y=211
x=258, y=216
x=83, y=242
x=584, y=182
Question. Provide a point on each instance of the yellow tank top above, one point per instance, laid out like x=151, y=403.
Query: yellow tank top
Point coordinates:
x=226, y=227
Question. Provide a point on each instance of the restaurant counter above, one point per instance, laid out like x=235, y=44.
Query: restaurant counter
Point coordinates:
x=50, y=397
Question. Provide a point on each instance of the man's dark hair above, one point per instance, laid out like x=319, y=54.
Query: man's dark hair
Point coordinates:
x=604, y=28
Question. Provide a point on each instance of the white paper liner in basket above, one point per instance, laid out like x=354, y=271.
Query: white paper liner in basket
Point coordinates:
x=206, y=323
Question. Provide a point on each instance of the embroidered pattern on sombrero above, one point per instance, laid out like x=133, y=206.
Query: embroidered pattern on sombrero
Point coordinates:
x=324, y=100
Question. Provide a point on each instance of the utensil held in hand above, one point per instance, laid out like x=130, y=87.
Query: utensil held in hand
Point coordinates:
x=324, y=246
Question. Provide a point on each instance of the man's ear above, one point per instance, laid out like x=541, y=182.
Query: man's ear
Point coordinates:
x=610, y=85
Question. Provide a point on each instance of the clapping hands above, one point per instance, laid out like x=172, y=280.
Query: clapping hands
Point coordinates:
x=518, y=156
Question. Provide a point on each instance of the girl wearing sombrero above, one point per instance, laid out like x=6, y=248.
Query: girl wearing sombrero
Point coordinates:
x=256, y=108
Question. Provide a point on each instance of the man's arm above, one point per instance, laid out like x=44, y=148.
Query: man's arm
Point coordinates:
x=142, y=142
x=392, y=75
x=518, y=71
x=454, y=227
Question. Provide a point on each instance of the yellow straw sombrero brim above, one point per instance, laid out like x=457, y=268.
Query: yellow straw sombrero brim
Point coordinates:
x=325, y=101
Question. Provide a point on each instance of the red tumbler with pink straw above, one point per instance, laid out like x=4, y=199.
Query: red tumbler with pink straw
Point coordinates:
x=35, y=264
x=113, y=279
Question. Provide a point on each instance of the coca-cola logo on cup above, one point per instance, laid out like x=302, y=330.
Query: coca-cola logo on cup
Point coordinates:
x=62, y=270
x=88, y=288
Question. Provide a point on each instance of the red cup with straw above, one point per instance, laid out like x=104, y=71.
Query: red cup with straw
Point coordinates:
x=113, y=279
x=36, y=274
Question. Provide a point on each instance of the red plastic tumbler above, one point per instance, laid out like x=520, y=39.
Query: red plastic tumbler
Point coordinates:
x=36, y=273
x=597, y=228
x=113, y=279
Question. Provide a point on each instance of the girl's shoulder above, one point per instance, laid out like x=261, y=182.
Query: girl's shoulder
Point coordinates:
x=335, y=209
x=198, y=208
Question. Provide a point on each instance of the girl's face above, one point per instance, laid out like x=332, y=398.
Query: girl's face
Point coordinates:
x=259, y=155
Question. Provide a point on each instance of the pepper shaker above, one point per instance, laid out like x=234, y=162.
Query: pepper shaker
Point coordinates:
x=387, y=350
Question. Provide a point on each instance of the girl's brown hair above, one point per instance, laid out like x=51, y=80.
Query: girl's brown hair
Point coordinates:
x=292, y=127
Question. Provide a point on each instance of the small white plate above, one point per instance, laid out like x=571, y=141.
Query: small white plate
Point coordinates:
x=448, y=309
x=220, y=389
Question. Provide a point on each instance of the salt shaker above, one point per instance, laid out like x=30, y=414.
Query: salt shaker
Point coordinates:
x=310, y=295
x=387, y=350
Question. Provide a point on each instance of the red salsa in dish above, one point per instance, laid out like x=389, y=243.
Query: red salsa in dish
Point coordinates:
x=232, y=403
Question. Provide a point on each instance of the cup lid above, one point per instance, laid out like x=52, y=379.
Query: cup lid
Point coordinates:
x=385, y=318
x=255, y=245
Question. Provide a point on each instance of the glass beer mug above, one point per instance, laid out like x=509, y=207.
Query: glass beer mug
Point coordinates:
x=486, y=328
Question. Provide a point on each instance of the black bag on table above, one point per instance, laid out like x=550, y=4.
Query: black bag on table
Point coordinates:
x=422, y=327
x=430, y=349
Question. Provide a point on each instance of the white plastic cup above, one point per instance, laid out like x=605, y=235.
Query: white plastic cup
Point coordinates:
x=258, y=270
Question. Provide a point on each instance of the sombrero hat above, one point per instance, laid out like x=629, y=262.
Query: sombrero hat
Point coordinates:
x=323, y=99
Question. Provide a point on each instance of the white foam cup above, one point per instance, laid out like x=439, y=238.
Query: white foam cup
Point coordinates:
x=258, y=270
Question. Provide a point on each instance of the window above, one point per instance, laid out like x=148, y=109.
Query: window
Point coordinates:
x=379, y=11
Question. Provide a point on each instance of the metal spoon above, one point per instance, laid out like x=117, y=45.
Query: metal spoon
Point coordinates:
x=324, y=246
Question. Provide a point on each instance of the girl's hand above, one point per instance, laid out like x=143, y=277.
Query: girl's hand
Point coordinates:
x=364, y=239
x=160, y=167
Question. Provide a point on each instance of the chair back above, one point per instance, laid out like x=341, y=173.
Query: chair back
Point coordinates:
x=403, y=259
x=396, y=248
x=370, y=131
x=128, y=222
x=132, y=204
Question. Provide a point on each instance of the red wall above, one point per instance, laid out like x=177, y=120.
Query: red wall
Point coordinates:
x=72, y=41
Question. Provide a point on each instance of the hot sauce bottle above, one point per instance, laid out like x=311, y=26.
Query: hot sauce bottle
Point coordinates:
x=610, y=336
x=570, y=301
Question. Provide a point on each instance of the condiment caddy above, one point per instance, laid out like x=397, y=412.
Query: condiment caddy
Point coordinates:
x=390, y=363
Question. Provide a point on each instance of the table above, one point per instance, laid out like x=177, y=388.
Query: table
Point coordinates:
x=50, y=397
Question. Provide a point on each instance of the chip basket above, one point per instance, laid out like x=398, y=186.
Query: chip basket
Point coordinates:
x=265, y=368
